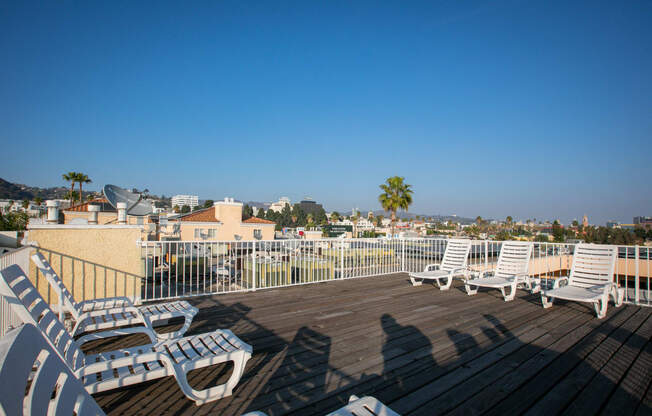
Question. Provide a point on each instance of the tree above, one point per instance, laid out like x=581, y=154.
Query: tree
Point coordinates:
x=209, y=203
x=176, y=209
x=575, y=223
x=247, y=212
x=309, y=220
x=38, y=200
x=557, y=232
x=335, y=216
x=185, y=209
x=396, y=195
x=261, y=213
x=354, y=219
x=82, y=178
x=25, y=203
x=13, y=221
x=72, y=178
x=508, y=221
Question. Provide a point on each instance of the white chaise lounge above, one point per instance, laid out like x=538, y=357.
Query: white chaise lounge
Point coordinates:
x=51, y=389
x=112, y=313
x=452, y=265
x=113, y=369
x=590, y=279
x=511, y=271
x=365, y=406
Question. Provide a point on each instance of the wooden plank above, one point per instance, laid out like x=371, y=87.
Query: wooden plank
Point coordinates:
x=597, y=393
x=564, y=392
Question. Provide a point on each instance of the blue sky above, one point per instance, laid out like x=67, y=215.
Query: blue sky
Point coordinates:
x=530, y=109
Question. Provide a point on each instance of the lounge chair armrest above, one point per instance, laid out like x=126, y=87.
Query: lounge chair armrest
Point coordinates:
x=431, y=267
x=558, y=282
x=101, y=312
x=118, y=332
x=100, y=366
x=106, y=303
x=460, y=270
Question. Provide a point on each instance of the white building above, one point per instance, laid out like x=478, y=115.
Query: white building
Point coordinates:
x=280, y=204
x=181, y=200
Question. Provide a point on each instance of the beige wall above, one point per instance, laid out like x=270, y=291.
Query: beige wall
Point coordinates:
x=102, y=217
x=226, y=232
x=94, y=261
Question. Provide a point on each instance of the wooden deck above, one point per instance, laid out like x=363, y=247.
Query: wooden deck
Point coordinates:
x=418, y=350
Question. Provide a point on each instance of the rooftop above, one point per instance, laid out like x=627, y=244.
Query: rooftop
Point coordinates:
x=417, y=349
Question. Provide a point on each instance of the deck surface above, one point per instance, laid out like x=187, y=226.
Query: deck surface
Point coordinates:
x=417, y=349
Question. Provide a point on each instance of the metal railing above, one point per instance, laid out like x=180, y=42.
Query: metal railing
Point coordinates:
x=176, y=269
x=8, y=319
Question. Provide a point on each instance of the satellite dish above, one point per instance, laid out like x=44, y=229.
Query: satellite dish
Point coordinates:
x=135, y=205
x=237, y=237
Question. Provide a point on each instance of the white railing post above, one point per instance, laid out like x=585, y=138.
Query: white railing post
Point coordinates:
x=253, y=266
x=486, y=255
x=341, y=259
x=403, y=255
x=636, y=276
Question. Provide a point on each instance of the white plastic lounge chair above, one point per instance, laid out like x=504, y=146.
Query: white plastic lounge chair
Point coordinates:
x=110, y=370
x=111, y=313
x=52, y=389
x=365, y=406
x=590, y=280
x=453, y=264
x=511, y=271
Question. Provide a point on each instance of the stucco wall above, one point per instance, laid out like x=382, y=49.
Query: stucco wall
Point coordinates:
x=94, y=262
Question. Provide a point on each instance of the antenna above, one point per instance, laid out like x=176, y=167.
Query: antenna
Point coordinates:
x=136, y=206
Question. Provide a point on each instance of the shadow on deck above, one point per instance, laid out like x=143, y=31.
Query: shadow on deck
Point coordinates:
x=418, y=350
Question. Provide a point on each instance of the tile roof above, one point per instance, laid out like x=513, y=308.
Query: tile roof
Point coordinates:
x=256, y=220
x=83, y=207
x=202, y=215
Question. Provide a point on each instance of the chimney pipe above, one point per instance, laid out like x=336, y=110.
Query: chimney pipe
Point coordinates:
x=53, y=211
x=93, y=210
x=122, y=212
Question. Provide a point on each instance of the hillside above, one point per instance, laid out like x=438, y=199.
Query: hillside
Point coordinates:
x=16, y=191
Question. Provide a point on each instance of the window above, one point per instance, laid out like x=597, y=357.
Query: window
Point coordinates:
x=211, y=233
x=258, y=234
x=197, y=233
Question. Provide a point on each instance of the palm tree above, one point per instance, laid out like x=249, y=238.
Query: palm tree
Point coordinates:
x=508, y=221
x=72, y=178
x=82, y=178
x=396, y=195
x=335, y=216
x=38, y=200
x=354, y=219
x=309, y=220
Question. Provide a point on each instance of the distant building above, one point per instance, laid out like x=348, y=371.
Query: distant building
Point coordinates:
x=309, y=206
x=223, y=221
x=280, y=204
x=613, y=224
x=181, y=200
x=642, y=220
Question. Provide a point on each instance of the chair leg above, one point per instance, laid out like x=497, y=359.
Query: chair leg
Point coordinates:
x=470, y=291
x=511, y=295
x=547, y=303
x=601, y=307
x=211, y=394
x=177, y=334
x=618, y=296
x=416, y=282
x=449, y=282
